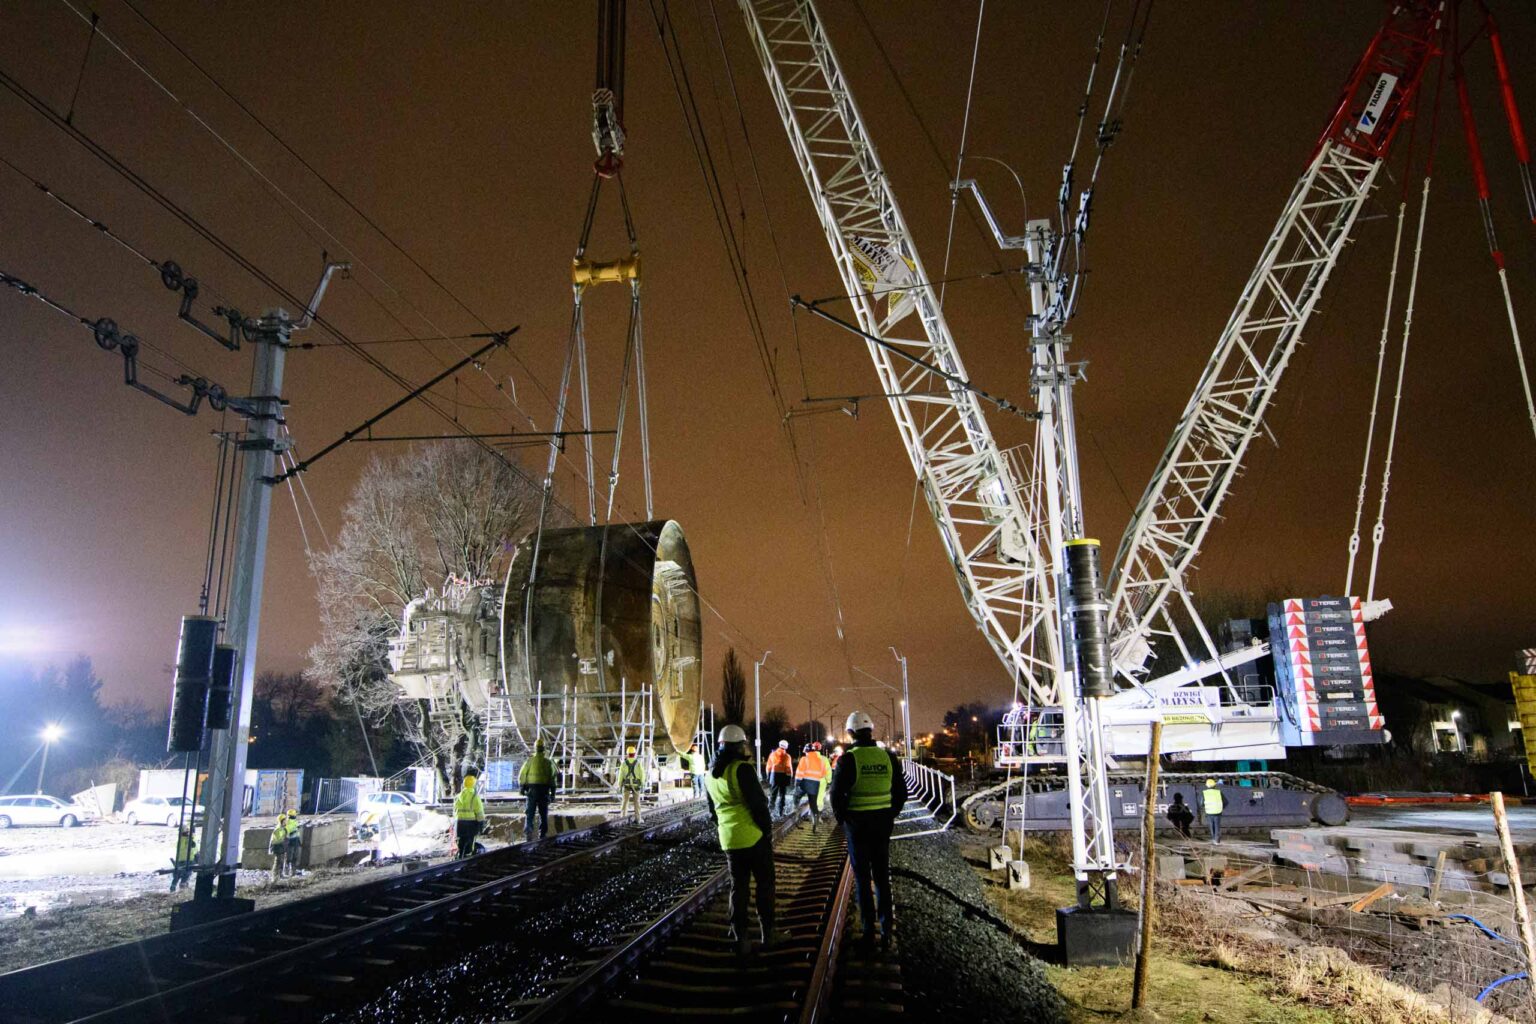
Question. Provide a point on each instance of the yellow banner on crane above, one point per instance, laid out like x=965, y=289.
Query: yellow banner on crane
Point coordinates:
x=1525, y=706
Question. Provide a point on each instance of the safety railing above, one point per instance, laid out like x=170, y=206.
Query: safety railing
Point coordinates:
x=934, y=791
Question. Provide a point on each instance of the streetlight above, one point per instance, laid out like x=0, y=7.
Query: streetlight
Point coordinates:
x=1461, y=744
x=906, y=701
x=50, y=735
x=757, y=705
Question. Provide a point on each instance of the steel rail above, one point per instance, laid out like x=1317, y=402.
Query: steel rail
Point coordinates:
x=59, y=979
x=818, y=997
x=596, y=981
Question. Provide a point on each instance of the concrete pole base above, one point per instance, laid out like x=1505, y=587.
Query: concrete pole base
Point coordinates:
x=1096, y=937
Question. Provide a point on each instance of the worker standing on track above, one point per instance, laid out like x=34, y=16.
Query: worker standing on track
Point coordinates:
x=781, y=772
x=1213, y=803
x=186, y=857
x=810, y=777
x=536, y=778
x=740, y=809
x=631, y=783
x=277, y=845
x=868, y=791
x=468, y=817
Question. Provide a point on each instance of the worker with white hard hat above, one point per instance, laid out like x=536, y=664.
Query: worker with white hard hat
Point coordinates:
x=868, y=791
x=740, y=809
x=781, y=772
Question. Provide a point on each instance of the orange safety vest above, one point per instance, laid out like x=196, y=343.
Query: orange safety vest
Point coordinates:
x=812, y=766
x=779, y=761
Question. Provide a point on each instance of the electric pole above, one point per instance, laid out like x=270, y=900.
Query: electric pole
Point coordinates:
x=260, y=445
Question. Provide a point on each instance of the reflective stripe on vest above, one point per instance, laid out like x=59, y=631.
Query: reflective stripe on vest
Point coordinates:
x=1211, y=800
x=732, y=816
x=872, y=781
x=812, y=766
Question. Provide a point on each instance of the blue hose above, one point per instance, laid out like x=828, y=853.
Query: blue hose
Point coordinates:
x=1486, y=930
x=1508, y=977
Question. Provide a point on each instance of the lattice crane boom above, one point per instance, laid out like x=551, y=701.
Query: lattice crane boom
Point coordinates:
x=972, y=488
x=1226, y=411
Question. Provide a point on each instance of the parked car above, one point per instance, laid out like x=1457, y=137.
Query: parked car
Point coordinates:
x=39, y=810
x=159, y=810
x=386, y=803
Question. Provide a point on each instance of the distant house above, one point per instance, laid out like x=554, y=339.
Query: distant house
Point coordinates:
x=1447, y=715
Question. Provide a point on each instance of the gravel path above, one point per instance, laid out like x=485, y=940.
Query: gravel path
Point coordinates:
x=954, y=965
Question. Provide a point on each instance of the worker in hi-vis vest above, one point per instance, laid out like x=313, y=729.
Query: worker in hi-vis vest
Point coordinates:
x=631, y=783
x=740, y=809
x=536, y=778
x=868, y=791
x=1212, y=803
x=697, y=764
x=468, y=817
x=781, y=772
x=810, y=779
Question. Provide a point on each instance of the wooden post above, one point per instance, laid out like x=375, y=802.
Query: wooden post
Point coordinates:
x=1516, y=890
x=1434, y=890
x=1148, y=868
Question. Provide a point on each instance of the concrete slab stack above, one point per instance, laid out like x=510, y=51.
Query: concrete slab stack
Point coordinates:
x=1470, y=864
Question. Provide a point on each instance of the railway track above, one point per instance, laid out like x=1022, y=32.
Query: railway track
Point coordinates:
x=294, y=960
x=682, y=963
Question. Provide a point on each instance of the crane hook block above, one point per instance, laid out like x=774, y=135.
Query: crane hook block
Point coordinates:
x=589, y=272
x=607, y=133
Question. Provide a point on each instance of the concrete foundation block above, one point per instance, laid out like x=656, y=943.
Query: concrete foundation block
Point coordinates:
x=1018, y=874
x=998, y=857
x=1170, y=867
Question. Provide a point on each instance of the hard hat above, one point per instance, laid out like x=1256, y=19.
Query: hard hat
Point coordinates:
x=859, y=721
x=837, y=749
x=733, y=734
x=630, y=752
x=805, y=749
x=538, y=745
x=816, y=746
x=783, y=744
x=1210, y=782
x=469, y=782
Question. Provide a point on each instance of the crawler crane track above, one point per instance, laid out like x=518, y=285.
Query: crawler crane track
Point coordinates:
x=300, y=959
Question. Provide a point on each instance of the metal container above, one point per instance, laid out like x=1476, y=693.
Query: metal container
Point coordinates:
x=607, y=610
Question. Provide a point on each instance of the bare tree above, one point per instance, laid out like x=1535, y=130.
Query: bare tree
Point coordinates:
x=443, y=509
x=733, y=689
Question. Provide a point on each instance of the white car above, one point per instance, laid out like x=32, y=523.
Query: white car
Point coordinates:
x=387, y=802
x=39, y=810
x=159, y=810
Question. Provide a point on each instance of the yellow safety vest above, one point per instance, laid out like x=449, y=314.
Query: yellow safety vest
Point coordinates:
x=279, y=835
x=468, y=806
x=1212, y=800
x=186, y=847
x=631, y=773
x=538, y=770
x=732, y=816
x=872, y=780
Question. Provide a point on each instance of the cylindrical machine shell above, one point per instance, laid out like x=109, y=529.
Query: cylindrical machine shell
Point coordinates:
x=609, y=608
x=189, y=689
x=221, y=685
